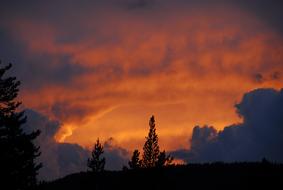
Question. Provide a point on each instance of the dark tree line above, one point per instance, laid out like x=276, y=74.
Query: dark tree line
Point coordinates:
x=231, y=176
x=18, y=168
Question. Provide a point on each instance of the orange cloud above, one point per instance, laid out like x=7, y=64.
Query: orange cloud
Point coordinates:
x=185, y=67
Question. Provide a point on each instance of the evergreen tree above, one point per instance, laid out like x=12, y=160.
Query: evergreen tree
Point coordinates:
x=135, y=161
x=18, y=168
x=151, y=147
x=96, y=163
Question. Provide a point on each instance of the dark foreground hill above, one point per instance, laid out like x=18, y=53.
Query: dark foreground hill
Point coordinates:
x=192, y=176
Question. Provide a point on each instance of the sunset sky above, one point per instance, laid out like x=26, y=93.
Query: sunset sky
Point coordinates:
x=102, y=68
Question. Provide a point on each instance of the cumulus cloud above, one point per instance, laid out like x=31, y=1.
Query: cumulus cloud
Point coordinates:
x=259, y=136
x=116, y=156
x=58, y=159
x=269, y=11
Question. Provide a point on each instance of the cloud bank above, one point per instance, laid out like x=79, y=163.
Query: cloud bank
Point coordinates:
x=259, y=136
x=61, y=159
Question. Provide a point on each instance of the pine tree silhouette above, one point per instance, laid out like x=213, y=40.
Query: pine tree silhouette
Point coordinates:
x=135, y=162
x=163, y=159
x=96, y=163
x=18, y=168
x=151, y=147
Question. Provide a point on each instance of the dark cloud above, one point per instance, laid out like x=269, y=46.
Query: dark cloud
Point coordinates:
x=40, y=69
x=60, y=159
x=260, y=135
x=269, y=11
x=72, y=158
x=276, y=76
x=74, y=113
x=36, y=120
x=140, y=4
x=8, y=47
x=116, y=157
x=258, y=78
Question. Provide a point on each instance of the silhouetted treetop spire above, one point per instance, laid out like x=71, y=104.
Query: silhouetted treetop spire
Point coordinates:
x=151, y=147
x=9, y=88
x=96, y=163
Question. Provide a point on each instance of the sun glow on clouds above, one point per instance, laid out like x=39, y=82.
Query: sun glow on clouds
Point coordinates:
x=65, y=131
x=186, y=66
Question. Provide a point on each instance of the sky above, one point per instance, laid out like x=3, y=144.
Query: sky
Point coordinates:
x=101, y=68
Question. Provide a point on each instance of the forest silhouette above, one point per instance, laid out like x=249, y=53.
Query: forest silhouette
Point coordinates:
x=192, y=176
x=151, y=169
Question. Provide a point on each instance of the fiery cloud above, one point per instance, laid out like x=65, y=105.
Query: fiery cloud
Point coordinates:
x=103, y=68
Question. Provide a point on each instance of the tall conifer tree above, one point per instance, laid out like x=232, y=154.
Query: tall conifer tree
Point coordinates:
x=18, y=168
x=96, y=163
x=151, y=147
